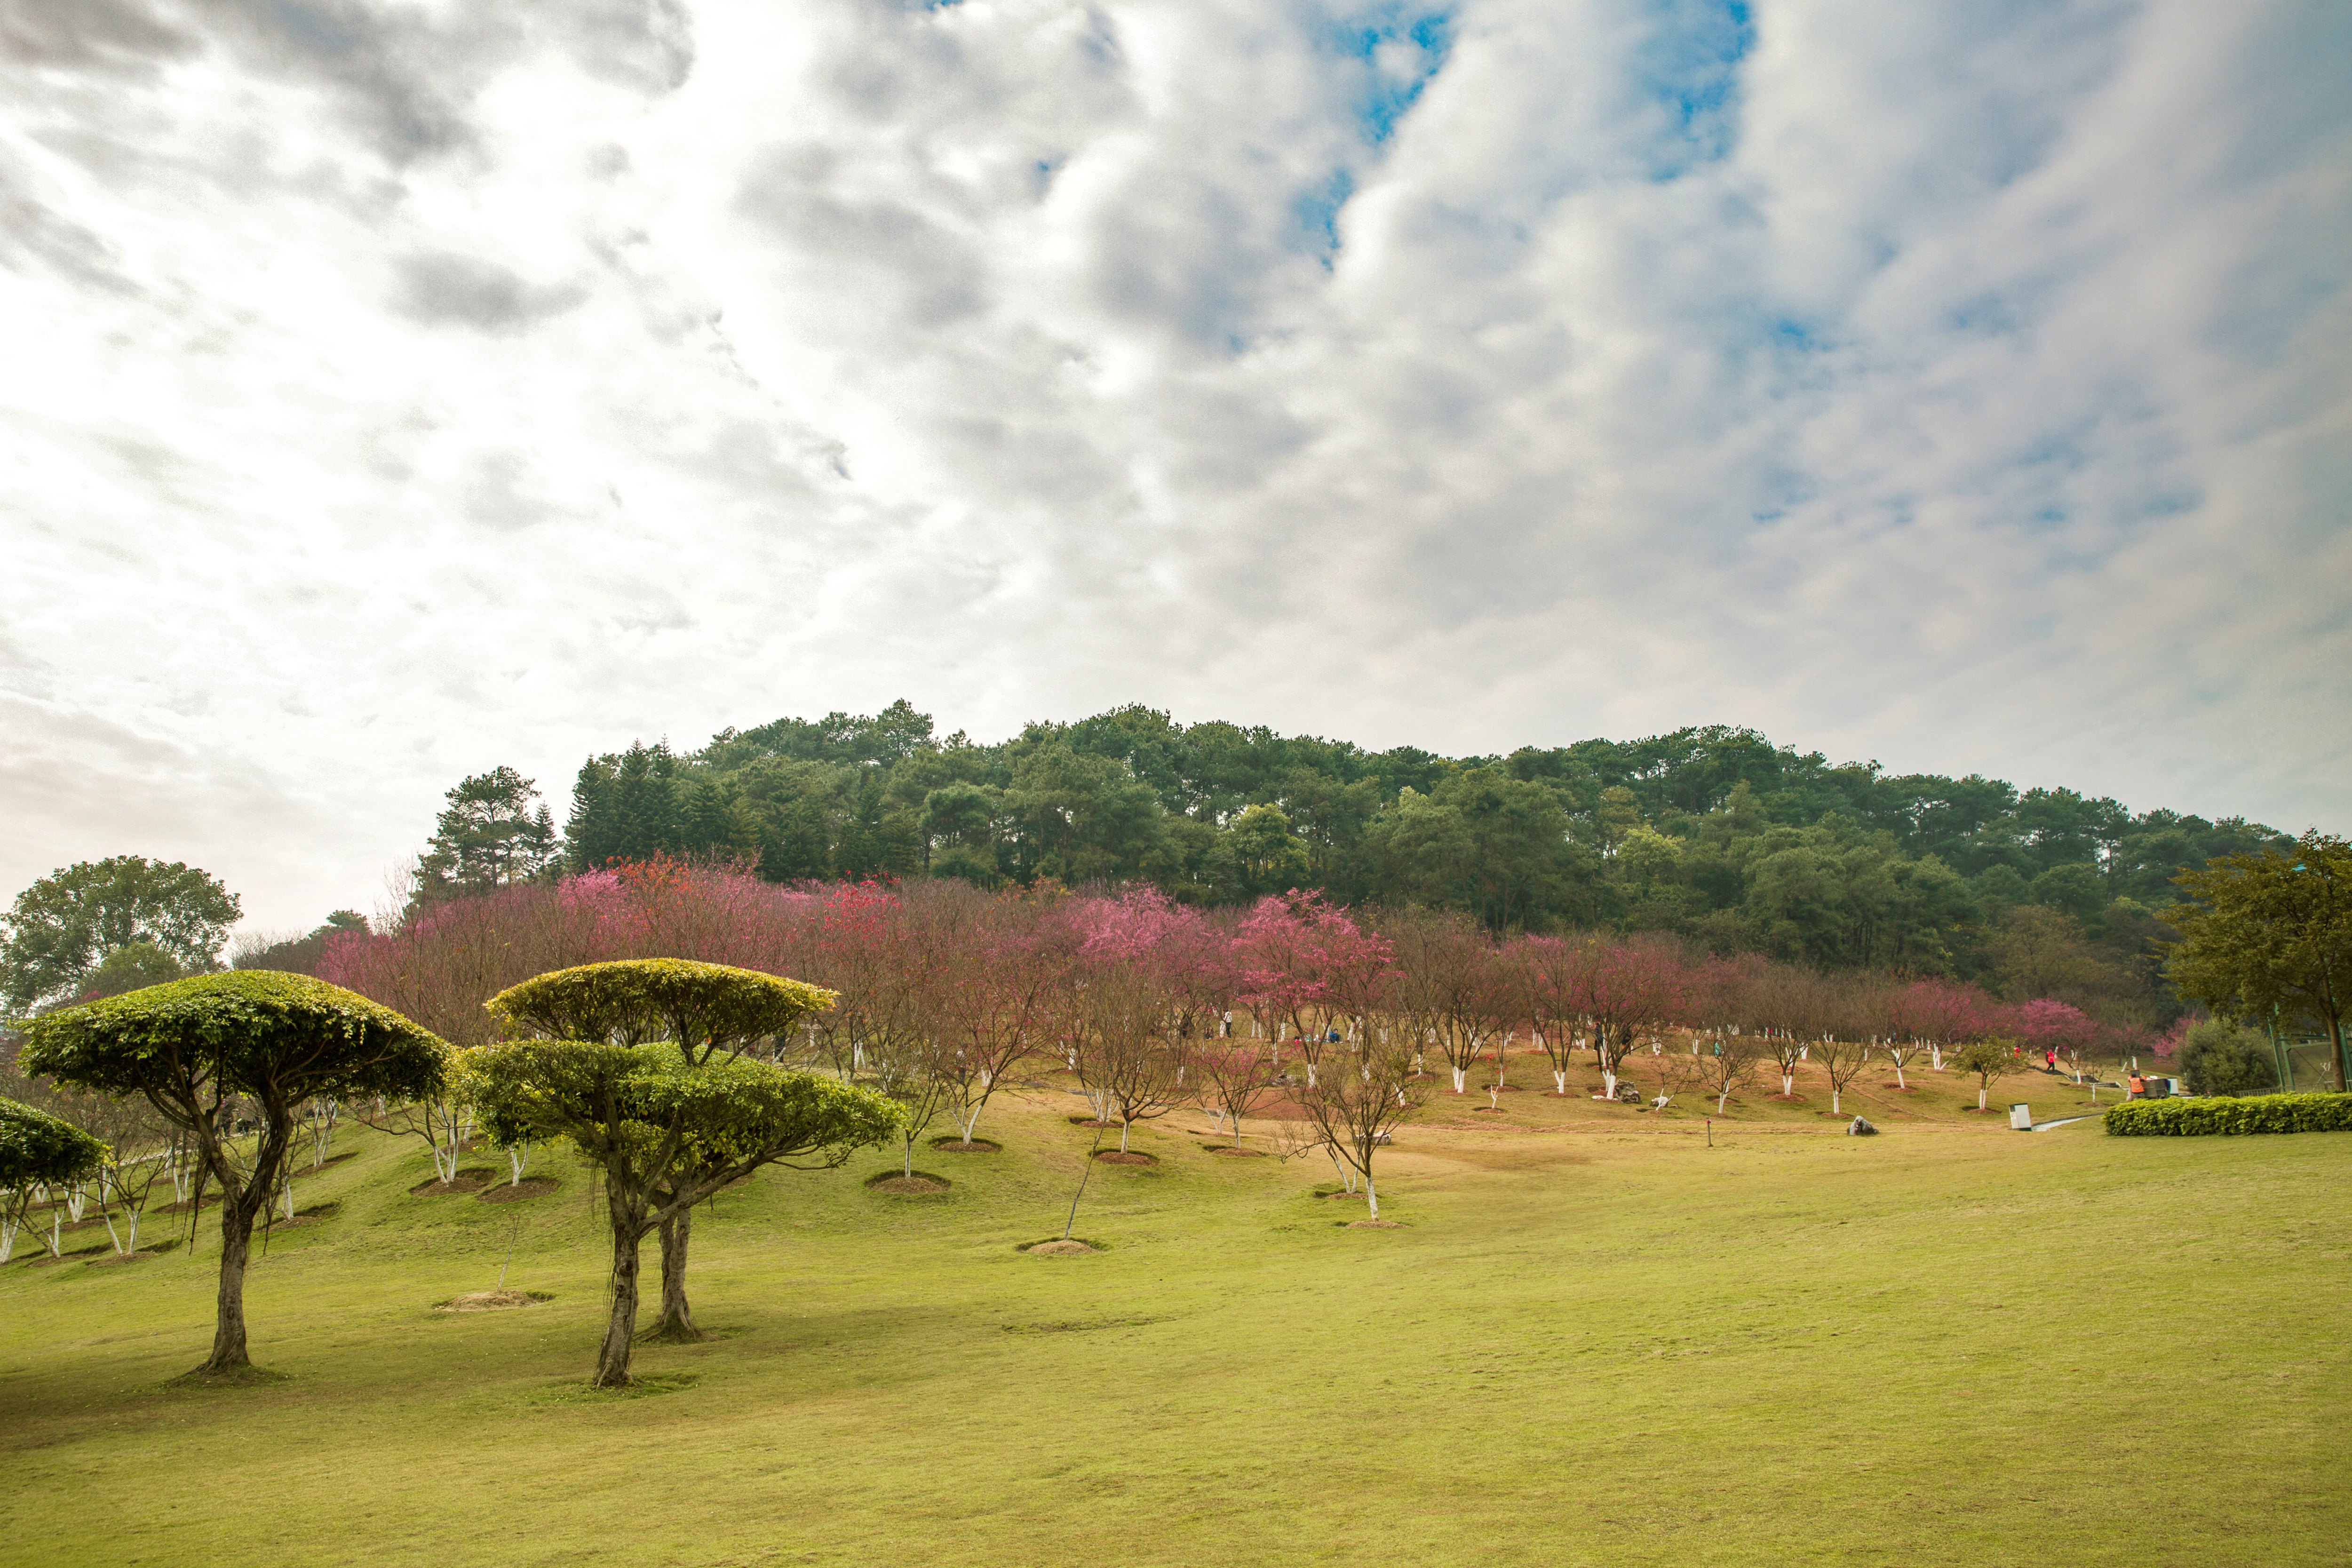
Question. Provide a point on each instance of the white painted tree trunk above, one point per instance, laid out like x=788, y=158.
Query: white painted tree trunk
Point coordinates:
x=518, y=1156
x=7, y=1236
x=122, y=1246
x=1834, y=1109
x=1560, y=1080
x=1981, y=1091
x=1721, y=1095
x=1788, y=1083
x=1609, y=1083
x=1371, y=1195
x=1459, y=1074
x=1898, y=1074
x=77, y=1200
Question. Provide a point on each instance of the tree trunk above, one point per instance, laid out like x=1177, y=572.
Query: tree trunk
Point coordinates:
x=1372, y=1194
x=228, y=1323
x=677, y=1317
x=1835, y=1109
x=613, y=1356
x=2343, y=1067
x=1459, y=1074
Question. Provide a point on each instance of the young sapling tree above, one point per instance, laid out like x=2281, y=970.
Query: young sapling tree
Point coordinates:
x=1727, y=1064
x=1352, y=1115
x=1989, y=1060
x=1841, y=1060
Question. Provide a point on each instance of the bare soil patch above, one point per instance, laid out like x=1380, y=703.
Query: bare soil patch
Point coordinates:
x=961, y=1146
x=1130, y=1157
x=921, y=1183
x=1901, y=1087
x=1488, y=1110
x=1090, y=1121
x=1231, y=1152
x=1374, y=1225
x=1060, y=1249
x=516, y=1192
x=1788, y=1098
x=491, y=1300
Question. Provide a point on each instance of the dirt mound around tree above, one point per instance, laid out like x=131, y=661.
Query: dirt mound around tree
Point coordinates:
x=1231, y=1152
x=960, y=1146
x=1125, y=1157
x=1060, y=1249
x=1090, y=1121
x=1374, y=1225
x=511, y=1192
x=921, y=1183
x=472, y=1179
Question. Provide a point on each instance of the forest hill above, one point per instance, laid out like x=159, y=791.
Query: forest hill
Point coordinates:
x=1713, y=834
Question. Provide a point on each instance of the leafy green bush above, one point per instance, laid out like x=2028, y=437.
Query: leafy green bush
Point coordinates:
x=2252, y=1113
x=2222, y=1058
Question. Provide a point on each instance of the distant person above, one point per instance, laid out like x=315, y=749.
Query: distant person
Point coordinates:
x=2137, y=1087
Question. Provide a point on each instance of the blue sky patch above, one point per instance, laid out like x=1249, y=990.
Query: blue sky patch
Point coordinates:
x=1691, y=67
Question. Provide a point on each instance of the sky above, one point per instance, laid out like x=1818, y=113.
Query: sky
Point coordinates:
x=395, y=391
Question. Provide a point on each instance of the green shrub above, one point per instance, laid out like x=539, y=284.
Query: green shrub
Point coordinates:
x=2222, y=1058
x=2252, y=1113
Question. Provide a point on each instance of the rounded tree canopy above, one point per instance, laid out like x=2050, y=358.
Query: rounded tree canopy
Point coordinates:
x=726, y=1112
x=248, y=1031
x=702, y=1007
x=37, y=1148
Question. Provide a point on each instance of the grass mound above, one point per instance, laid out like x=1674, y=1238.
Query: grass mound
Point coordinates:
x=492, y=1301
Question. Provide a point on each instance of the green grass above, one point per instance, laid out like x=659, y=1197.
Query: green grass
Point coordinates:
x=1595, y=1341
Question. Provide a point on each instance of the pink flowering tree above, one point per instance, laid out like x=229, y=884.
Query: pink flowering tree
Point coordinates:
x=2046, y=1023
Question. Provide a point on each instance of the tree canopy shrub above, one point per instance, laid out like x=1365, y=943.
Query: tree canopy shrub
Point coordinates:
x=198, y=1048
x=2218, y=1057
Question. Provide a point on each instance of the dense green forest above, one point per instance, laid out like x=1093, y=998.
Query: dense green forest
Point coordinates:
x=1712, y=832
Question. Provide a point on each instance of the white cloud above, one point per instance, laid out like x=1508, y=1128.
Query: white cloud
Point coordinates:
x=394, y=391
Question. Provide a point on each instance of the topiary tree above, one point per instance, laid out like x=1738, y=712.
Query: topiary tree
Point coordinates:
x=194, y=1045
x=2217, y=1057
x=665, y=1132
x=701, y=1010
x=37, y=1149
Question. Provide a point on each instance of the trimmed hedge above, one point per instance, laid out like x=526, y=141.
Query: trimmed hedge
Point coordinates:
x=2251, y=1113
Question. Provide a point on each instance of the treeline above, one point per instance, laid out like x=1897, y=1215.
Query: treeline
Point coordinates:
x=1713, y=834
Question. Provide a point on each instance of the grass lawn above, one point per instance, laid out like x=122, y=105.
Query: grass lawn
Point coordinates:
x=1594, y=1340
